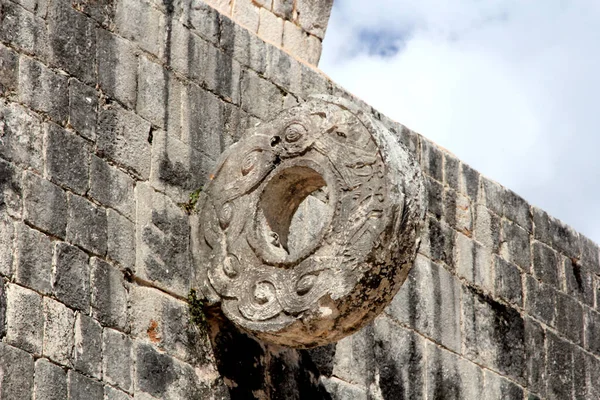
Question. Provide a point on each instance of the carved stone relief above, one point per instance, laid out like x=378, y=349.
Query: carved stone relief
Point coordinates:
x=309, y=224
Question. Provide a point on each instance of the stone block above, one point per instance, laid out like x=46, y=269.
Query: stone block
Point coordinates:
x=37, y=7
x=494, y=334
x=109, y=295
x=339, y=389
x=313, y=15
x=497, y=387
x=569, y=318
x=24, y=319
x=540, y=300
x=83, y=108
x=71, y=277
x=121, y=239
x=593, y=370
x=58, y=331
x=204, y=21
x=87, y=351
x=435, y=197
x=23, y=30
x=400, y=358
x=86, y=225
x=164, y=377
x=223, y=6
x=517, y=210
x=164, y=322
x=492, y=196
x=16, y=373
x=556, y=234
x=535, y=342
x=592, y=327
x=469, y=182
x=111, y=393
x=313, y=50
x=508, y=284
x=33, y=259
x=486, y=229
x=579, y=282
x=11, y=189
x=246, y=13
x=438, y=242
x=123, y=137
x=559, y=367
x=117, y=361
x=112, y=187
x=72, y=41
x=83, y=388
x=45, y=205
x=67, y=158
x=7, y=248
x=545, y=263
x=590, y=255
x=283, y=8
x=103, y=11
x=432, y=160
x=43, y=89
x=139, y=22
x=162, y=245
x=451, y=377
x=271, y=27
x=117, y=67
x=177, y=169
x=473, y=262
x=50, y=381
x=9, y=71
x=515, y=245
x=22, y=137
x=254, y=87
x=245, y=47
x=451, y=171
x=283, y=70
x=429, y=301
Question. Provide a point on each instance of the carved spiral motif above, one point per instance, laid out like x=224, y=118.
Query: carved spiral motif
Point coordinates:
x=360, y=196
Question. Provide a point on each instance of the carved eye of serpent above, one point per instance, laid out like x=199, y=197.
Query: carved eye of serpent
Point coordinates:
x=248, y=163
x=294, y=132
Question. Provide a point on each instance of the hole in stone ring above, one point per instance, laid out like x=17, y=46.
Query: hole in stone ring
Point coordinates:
x=293, y=211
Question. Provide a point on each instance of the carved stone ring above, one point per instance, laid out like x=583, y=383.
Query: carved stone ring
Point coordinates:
x=309, y=225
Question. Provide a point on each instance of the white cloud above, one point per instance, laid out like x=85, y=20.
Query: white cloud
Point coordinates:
x=511, y=88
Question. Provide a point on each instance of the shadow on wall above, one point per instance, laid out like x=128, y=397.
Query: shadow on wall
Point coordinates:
x=255, y=370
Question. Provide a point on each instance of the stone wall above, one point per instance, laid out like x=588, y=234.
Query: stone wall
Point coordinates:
x=111, y=115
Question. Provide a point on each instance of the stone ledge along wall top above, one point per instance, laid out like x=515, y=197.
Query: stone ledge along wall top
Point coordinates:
x=112, y=112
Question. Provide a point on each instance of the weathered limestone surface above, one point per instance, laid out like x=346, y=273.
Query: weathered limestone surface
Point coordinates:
x=113, y=112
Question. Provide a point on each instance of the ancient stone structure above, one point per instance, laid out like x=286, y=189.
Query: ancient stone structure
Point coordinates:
x=112, y=115
x=345, y=273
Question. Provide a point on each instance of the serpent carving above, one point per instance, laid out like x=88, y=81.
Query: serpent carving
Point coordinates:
x=301, y=288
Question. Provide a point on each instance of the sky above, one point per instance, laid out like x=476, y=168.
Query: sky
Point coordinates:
x=512, y=88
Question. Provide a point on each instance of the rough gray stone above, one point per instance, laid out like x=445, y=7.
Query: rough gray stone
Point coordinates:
x=438, y=242
x=121, y=239
x=16, y=373
x=37, y=7
x=50, y=381
x=11, y=189
x=45, y=205
x=515, y=245
x=58, y=331
x=138, y=21
x=469, y=182
x=432, y=160
x=24, y=319
x=162, y=241
x=283, y=8
x=487, y=228
x=109, y=296
x=223, y=75
x=87, y=352
x=579, y=282
x=22, y=138
x=7, y=234
x=283, y=70
x=67, y=158
x=340, y=389
x=86, y=225
x=473, y=262
x=245, y=47
x=492, y=196
x=590, y=255
x=9, y=71
x=100, y=10
x=23, y=30
x=592, y=327
x=508, y=281
x=497, y=387
x=569, y=318
x=435, y=197
x=451, y=377
x=71, y=277
x=204, y=21
x=540, y=300
x=254, y=87
x=517, y=210
x=33, y=260
x=111, y=393
x=117, y=67
x=559, y=367
x=429, y=301
x=123, y=137
x=156, y=94
x=117, y=359
x=43, y=89
x=83, y=388
x=2, y=309
x=313, y=15
x=83, y=108
x=112, y=187
x=545, y=264
x=556, y=234
x=72, y=41
x=535, y=341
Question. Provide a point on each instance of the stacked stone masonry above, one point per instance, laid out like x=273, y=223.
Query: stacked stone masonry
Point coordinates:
x=113, y=111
